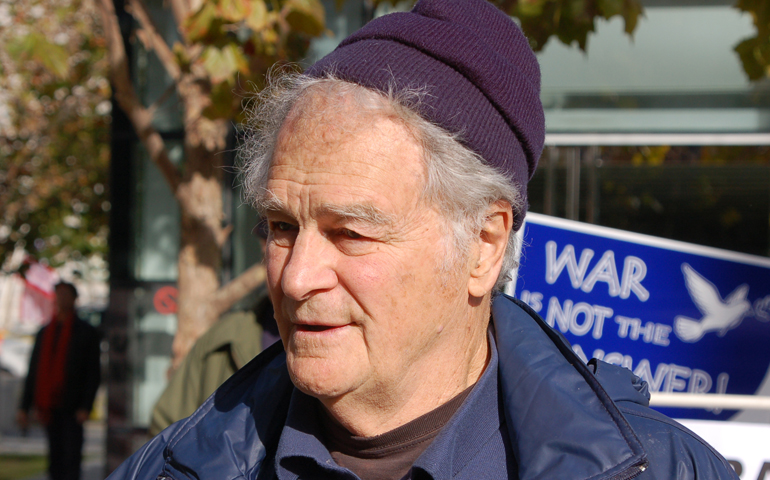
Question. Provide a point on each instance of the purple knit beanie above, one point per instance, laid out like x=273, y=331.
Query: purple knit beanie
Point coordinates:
x=481, y=76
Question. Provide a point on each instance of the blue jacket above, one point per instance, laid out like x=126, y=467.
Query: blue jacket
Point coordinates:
x=567, y=420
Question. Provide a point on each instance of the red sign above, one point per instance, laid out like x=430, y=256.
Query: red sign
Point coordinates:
x=164, y=300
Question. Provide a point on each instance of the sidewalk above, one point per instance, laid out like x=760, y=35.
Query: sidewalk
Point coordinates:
x=35, y=443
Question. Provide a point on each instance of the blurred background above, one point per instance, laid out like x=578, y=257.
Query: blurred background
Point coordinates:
x=118, y=120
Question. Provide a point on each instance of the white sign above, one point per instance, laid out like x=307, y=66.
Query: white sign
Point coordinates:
x=745, y=445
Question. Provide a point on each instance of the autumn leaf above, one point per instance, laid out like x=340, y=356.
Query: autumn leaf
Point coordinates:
x=233, y=10
x=257, y=18
x=610, y=8
x=306, y=16
x=222, y=64
x=198, y=25
x=631, y=15
x=748, y=52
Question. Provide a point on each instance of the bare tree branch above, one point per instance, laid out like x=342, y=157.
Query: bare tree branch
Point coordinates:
x=129, y=102
x=244, y=283
x=162, y=99
x=153, y=40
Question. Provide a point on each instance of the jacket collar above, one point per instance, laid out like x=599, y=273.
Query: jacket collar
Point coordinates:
x=562, y=422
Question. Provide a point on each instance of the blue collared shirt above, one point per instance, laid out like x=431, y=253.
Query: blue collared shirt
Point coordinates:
x=474, y=443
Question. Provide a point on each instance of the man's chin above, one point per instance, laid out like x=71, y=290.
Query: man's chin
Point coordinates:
x=321, y=381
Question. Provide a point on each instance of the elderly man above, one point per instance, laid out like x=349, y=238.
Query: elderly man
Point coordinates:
x=392, y=176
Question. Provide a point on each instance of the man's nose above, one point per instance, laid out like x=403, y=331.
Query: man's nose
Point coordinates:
x=309, y=268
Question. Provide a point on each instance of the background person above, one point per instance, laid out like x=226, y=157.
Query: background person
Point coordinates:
x=64, y=374
x=227, y=346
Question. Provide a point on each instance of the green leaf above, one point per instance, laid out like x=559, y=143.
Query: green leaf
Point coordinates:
x=268, y=41
x=223, y=102
x=759, y=11
x=530, y=8
x=257, y=18
x=198, y=25
x=34, y=46
x=576, y=8
x=233, y=10
x=181, y=55
x=610, y=8
x=744, y=5
x=54, y=59
x=222, y=64
x=632, y=12
x=306, y=16
x=748, y=52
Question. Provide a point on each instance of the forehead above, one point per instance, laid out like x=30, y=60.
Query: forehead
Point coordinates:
x=332, y=144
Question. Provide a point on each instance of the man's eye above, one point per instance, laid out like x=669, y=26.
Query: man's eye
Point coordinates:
x=283, y=226
x=351, y=234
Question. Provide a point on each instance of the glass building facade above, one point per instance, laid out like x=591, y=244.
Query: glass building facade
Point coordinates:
x=660, y=134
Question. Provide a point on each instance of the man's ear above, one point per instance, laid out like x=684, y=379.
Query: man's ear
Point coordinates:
x=491, y=244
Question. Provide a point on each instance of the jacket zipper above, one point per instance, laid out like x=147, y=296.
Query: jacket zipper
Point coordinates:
x=632, y=472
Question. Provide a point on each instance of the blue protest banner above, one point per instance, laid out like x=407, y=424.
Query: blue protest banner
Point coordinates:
x=684, y=317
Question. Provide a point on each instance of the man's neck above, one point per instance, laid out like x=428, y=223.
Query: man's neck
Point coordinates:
x=426, y=387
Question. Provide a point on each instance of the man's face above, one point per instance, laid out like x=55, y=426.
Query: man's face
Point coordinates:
x=353, y=257
x=65, y=299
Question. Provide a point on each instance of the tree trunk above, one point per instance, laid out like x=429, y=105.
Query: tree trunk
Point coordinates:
x=197, y=185
x=202, y=234
x=198, y=280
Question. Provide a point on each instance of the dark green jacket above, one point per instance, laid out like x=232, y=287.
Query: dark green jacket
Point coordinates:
x=227, y=346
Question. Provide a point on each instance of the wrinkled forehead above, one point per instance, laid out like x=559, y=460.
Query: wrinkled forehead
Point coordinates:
x=338, y=112
x=339, y=154
x=345, y=132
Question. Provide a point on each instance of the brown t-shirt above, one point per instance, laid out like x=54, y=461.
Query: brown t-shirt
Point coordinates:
x=390, y=455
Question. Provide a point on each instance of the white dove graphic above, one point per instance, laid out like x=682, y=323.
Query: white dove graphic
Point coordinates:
x=718, y=315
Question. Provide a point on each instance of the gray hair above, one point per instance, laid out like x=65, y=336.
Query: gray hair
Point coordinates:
x=458, y=181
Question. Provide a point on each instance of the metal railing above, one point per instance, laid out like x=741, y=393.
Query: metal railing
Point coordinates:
x=617, y=139
x=709, y=400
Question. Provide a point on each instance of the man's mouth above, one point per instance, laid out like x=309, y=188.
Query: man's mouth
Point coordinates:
x=316, y=328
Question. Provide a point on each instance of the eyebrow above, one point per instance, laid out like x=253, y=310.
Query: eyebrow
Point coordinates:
x=358, y=212
x=269, y=202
